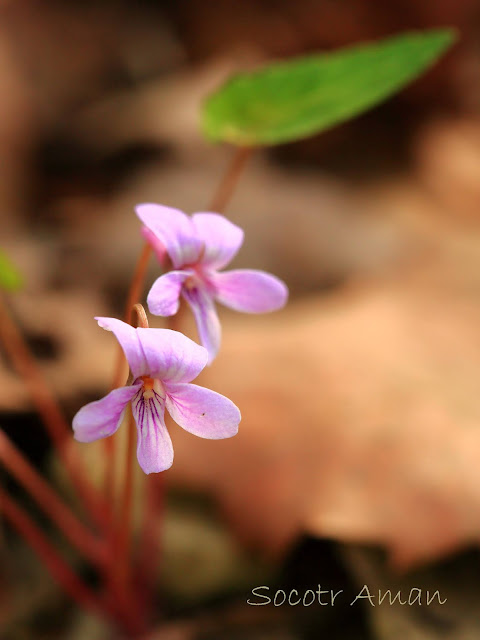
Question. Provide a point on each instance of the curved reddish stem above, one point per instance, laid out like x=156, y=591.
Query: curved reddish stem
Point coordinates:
x=230, y=179
x=74, y=530
x=134, y=292
x=57, y=427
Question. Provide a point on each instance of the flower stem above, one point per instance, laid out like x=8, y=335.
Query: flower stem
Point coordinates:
x=142, y=320
x=125, y=532
x=230, y=179
x=57, y=427
x=150, y=540
x=74, y=530
x=111, y=444
x=124, y=536
x=117, y=574
x=133, y=295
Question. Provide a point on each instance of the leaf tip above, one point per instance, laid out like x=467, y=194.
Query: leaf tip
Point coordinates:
x=10, y=277
x=445, y=37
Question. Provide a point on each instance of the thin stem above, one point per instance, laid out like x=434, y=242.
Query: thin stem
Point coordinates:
x=59, y=569
x=125, y=533
x=58, y=428
x=142, y=320
x=133, y=295
x=150, y=541
x=124, y=539
x=111, y=444
x=230, y=179
x=74, y=530
x=119, y=574
x=153, y=510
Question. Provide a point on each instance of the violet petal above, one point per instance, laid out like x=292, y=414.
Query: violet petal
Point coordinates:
x=164, y=296
x=206, y=318
x=203, y=412
x=250, y=291
x=154, y=446
x=156, y=244
x=102, y=418
x=171, y=356
x=222, y=238
x=128, y=338
x=174, y=229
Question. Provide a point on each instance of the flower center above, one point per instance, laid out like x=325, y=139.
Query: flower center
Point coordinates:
x=197, y=279
x=190, y=283
x=148, y=384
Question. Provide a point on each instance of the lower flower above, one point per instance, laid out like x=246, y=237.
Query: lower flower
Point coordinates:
x=163, y=364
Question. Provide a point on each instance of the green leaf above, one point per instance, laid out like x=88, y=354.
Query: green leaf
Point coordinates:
x=301, y=97
x=10, y=278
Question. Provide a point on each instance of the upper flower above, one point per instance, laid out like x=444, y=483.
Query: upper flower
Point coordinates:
x=198, y=247
x=162, y=363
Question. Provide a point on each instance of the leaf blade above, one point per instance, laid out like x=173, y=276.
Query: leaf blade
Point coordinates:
x=10, y=277
x=291, y=100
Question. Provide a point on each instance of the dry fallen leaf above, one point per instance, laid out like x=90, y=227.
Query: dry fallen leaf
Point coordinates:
x=361, y=421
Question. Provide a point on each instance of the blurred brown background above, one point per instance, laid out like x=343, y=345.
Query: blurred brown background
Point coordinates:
x=361, y=417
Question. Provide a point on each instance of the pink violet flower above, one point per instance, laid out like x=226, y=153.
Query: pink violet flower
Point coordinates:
x=198, y=247
x=163, y=363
